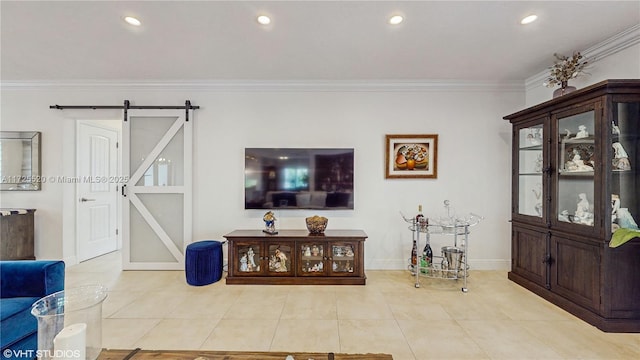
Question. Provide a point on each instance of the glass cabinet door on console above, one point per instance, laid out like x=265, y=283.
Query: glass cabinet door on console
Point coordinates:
x=578, y=165
x=530, y=168
x=624, y=157
x=248, y=258
x=312, y=258
x=280, y=259
x=342, y=259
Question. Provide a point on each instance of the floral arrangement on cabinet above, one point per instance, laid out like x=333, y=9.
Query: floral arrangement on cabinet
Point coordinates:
x=564, y=69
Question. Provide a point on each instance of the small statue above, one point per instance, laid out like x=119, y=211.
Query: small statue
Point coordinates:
x=582, y=132
x=252, y=263
x=615, y=205
x=537, y=168
x=269, y=223
x=282, y=259
x=620, y=158
x=535, y=137
x=583, y=215
x=307, y=251
x=625, y=220
x=615, y=130
x=243, y=263
x=537, y=192
x=576, y=163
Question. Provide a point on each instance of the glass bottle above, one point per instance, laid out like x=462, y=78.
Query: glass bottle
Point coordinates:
x=419, y=216
x=414, y=253
x=427, y=253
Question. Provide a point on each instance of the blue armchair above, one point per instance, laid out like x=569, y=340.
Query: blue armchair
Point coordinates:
x=21, y=284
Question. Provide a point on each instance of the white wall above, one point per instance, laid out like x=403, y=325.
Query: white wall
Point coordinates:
x=473, y=154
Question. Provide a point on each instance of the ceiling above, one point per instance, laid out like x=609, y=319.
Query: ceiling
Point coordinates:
x=306, y=41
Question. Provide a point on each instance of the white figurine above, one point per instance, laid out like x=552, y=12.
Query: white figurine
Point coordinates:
x=535, y=137
x=250, y=255
x=243, y=263
x=282, y=258
x=625, y=220
x=615, y=130
x=620, y=158
x=564, y=216
x=307, y=251
x=577, y=164
x=537, y=168
x=537, y=192
x=583, y=215
x=615, y=205
x=582, y=132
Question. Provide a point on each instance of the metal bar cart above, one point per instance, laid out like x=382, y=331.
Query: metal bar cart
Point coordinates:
x=452, y=264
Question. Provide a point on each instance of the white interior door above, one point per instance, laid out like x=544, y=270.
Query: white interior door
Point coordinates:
x=96, y=212
x=157, y=146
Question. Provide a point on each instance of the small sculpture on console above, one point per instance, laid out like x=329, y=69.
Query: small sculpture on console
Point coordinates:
x=243, y=263
x=269, y=223
x=252, y=262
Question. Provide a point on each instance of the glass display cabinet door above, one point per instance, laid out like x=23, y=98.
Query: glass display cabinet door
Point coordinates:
x=312, y=258
x=343, y=258
x=625, y=166
x=248, y=259
x=280, y=259
x=577, y=165
x=530, y=171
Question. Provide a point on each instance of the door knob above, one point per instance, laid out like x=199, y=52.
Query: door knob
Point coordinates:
x=85, y=199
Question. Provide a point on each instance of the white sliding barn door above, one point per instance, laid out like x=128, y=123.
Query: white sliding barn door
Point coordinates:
x=157, y=215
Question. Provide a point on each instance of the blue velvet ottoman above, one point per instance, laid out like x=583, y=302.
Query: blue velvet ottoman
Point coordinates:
x=203, y=262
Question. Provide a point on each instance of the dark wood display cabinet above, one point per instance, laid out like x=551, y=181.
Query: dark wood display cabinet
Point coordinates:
x=296, y=257
x=576, y=184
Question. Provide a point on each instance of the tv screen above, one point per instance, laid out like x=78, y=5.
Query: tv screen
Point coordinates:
x=294, y=178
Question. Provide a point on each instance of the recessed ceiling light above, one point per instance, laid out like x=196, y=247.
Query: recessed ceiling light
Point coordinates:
x=264, y=20
x=529, y=19
x=132, y=21
x=395, y=19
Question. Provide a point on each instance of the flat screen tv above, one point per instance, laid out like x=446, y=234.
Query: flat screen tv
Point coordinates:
x=295, y=178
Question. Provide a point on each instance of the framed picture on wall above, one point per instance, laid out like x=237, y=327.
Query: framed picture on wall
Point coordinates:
x=411, y=156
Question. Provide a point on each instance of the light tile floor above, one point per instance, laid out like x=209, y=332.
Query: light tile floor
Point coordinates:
x=496, y=319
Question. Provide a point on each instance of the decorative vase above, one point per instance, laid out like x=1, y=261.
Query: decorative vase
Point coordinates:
x=563, y=90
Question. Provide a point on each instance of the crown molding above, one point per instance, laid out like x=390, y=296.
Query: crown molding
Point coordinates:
x=269, y=86
x=595, y=53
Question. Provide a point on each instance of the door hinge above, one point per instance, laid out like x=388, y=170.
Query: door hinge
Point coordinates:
x=117, y=144
x=116, y=231
x=123, y=188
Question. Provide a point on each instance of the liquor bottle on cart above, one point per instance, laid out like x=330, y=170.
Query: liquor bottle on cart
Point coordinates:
x=427, y=254
x=420, y=219
x=414, y=253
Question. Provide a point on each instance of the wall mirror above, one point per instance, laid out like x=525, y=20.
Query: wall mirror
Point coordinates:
x=20, y=160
